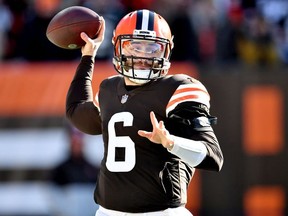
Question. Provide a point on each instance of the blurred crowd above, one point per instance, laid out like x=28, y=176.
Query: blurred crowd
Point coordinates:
x=205, y=31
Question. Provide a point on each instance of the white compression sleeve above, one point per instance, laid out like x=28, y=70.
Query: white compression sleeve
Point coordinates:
x=190, y=151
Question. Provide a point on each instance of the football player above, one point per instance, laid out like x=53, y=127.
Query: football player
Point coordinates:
x=156, y=127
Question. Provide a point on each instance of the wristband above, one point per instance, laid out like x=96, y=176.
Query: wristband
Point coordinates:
x=190, y=151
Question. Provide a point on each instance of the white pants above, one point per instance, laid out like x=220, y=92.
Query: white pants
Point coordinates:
x=180, y=211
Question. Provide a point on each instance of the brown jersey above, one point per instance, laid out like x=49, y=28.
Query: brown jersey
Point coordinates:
x=137, y=175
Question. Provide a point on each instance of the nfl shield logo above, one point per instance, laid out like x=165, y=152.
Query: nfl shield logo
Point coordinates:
x=124, y=98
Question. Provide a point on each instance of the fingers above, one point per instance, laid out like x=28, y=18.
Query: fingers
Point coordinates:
x=145, y=134
x=85, y=37
x=154, y=121
x=161, y=125
x=155, y=125
x=158, y=134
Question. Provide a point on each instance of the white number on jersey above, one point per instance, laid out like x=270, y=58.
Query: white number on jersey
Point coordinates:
x=120, y=142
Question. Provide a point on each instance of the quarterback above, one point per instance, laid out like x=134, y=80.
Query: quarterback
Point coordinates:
x=156, y=127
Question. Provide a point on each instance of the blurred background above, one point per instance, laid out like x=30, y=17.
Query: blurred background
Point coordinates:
x=237, y=48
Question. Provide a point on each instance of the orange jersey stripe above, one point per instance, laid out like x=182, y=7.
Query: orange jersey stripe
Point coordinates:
x=195, y=92
x=182, y=99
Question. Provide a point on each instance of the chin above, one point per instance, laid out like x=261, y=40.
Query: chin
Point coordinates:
x=135, y=82
x=139, y=82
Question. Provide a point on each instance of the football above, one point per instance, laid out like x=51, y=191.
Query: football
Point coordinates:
x=65, y=27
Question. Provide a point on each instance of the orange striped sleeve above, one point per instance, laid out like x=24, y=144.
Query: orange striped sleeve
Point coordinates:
x=194, y=92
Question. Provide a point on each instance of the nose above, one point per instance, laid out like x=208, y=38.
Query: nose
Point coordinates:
x=142, y=61
x=138, y=59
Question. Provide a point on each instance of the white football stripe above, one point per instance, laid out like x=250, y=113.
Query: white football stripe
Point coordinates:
x=193, y=85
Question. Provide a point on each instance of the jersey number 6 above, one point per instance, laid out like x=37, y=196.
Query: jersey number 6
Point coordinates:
x=120, y=142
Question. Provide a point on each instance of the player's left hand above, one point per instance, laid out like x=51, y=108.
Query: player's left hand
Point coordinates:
x=159, y=135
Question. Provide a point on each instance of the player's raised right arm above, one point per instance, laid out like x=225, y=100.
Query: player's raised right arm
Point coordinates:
x=80, y=108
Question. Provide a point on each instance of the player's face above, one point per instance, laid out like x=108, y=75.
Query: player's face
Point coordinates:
x=145, y=50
